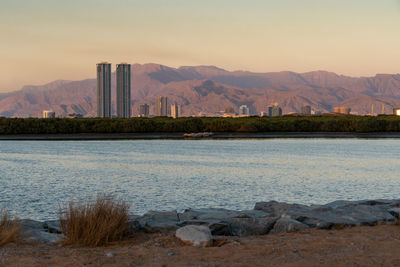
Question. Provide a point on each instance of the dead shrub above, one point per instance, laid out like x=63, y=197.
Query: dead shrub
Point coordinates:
x=94, y=223
x=9, y=229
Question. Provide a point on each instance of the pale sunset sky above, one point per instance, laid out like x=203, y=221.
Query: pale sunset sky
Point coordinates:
x=46, y=40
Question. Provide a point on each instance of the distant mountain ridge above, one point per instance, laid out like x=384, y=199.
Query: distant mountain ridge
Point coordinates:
x=210, y=89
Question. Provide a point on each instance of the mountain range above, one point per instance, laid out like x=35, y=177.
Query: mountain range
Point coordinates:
x=209, y=89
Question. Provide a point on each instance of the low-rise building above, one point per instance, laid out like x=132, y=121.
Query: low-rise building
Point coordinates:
x=244, y=110
x=49, y=114
x=342, y=110
x=274, y=110
x=144, y=110
x=306, y=110
x=74, y=116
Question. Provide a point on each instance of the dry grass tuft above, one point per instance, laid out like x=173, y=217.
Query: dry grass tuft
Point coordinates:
x=94, y=223
x=9, y=229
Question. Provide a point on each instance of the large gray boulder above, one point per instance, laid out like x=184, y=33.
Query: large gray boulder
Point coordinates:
x=207, y=215
x=156, y=221
x=134, y=225
x=34, y=232
x=278, y=208
x=195, y=235
x=251, y=226
x=338, y=213
x=53, y=226
x=287, y=225
x=218, y=220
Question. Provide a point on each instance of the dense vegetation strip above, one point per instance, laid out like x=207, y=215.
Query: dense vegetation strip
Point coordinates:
x=345, y=124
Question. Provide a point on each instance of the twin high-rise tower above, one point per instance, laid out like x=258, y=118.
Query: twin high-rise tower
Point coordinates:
x=104, y=90
x=123, y=90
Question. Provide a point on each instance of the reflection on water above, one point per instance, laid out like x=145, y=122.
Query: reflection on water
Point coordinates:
x=35, y=177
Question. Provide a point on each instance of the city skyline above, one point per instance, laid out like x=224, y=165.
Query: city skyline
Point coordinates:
x=355, y=38
x=209, y=89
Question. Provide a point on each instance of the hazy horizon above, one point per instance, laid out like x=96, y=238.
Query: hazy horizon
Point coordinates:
x=92, y=75
x=47, y=40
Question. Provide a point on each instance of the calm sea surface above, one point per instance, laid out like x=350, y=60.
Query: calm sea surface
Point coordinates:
x=37, y=176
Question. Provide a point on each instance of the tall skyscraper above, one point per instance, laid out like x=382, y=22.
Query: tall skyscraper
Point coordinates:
x=175, y=111
x=162, y=106
x=104, y=90
x=123, y=90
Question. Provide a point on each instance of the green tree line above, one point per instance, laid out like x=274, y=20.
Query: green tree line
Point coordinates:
x=345, y=124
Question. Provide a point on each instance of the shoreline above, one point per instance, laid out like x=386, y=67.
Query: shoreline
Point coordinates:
x=356, y=246
x=364, y=232
x=265, y=218
x=179, y=136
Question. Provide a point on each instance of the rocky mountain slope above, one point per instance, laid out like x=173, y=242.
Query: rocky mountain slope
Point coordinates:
x=209, y=89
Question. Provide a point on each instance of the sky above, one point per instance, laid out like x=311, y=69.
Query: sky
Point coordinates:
x=45, y=40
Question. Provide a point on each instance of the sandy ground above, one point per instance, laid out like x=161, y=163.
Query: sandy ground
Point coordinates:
x=358, y=246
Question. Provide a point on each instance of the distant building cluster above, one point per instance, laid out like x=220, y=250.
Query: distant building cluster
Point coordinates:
x=274, y=110
x=49, y=114
x=342, y=110
x=161, y=107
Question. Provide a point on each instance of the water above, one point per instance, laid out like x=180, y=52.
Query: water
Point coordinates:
x=36, y=177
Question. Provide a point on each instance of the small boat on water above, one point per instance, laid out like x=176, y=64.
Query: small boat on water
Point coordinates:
x=198, y=135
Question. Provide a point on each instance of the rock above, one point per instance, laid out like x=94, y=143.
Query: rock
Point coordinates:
x=34, y=231
x=286, y=225
x=134, y=225
x=395, y=212
x=155, y=221
x=251, y=226
x=193, y=222
x=52, y=226
x=215, y=219
x=275, y=208
x=207, y=215
x=220, y=228
x=195, y=235
x=338, y=213
x=251, y=214
x=348, y=214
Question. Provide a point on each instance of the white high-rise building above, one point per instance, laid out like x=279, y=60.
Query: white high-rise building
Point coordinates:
x=104, y=90
x=123, y=90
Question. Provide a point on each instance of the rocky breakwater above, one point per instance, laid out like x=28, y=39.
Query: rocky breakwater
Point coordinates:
x=266, y=218
x=273, y=217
